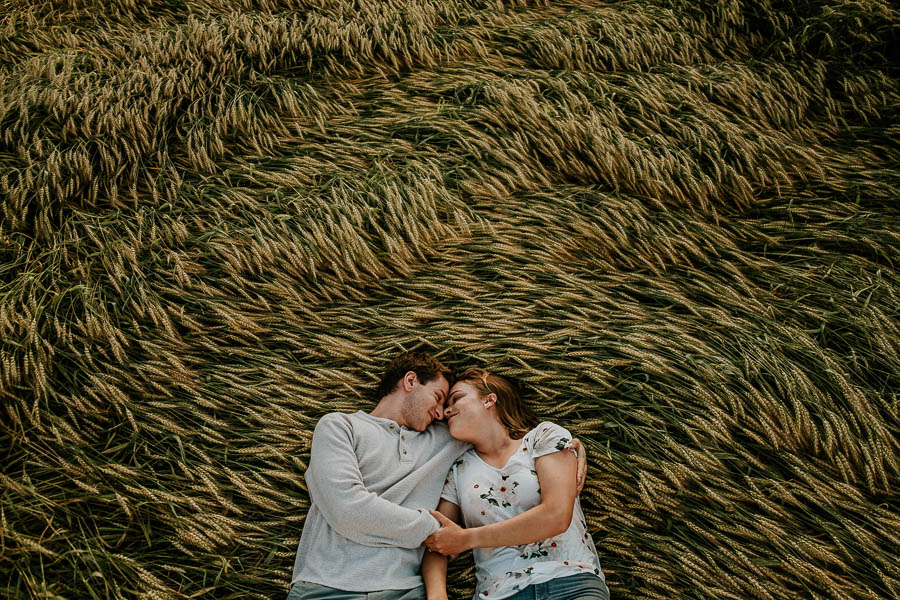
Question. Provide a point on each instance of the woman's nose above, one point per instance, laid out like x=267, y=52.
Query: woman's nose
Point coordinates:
x=446, y=412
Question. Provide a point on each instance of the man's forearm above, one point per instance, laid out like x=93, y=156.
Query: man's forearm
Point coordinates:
x=434, y=572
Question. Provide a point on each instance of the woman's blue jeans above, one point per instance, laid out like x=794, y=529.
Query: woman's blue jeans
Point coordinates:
x=573, y=587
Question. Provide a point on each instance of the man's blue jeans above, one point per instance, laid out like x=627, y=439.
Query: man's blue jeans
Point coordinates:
x=573, y=587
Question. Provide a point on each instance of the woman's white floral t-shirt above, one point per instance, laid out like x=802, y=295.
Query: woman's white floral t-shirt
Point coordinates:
x=486, y=494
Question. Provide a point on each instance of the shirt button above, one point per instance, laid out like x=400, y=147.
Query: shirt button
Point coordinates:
x=404, y=452
x=392, y=426
x=402, y=437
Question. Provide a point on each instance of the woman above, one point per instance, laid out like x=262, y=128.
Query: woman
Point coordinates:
x=515, y=492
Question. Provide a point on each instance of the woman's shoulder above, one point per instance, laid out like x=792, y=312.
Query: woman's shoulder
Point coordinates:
x=465, y=467
x=548, y=437
x=466, y=457
x=545, y=428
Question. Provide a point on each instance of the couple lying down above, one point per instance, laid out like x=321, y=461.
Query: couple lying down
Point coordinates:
x=504, y=486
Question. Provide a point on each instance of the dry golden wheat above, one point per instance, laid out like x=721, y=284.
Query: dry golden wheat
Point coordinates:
x=675, y=223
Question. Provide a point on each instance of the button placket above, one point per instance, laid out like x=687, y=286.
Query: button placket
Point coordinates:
x=404, y=454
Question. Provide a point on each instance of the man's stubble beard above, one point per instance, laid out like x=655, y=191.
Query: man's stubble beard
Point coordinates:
x=414, y=418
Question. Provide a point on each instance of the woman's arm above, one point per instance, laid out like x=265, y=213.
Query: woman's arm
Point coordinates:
x=434, y=565
x=556, y=475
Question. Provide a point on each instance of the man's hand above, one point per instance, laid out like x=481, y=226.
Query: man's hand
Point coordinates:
x=449, y=539
x=578, y=447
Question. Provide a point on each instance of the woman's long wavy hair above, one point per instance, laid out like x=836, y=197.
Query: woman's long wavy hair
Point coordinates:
x=513, y=413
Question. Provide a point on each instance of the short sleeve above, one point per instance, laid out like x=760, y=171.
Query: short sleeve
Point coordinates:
x=549, y=438
x=449, y=491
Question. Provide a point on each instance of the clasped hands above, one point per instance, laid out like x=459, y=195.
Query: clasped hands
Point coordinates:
x=450, y=539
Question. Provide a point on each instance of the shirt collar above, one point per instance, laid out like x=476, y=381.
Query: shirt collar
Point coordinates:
x=384, y=422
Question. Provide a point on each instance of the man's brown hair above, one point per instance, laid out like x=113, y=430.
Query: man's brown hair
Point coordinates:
x=513, y=413
x=425, y=366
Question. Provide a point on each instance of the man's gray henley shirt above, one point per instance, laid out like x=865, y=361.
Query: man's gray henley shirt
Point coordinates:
x=371, y=483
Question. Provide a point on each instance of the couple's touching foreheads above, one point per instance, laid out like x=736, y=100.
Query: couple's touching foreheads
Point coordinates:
x=444, y=463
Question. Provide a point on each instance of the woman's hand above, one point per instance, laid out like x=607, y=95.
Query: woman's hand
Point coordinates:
x=449, y=539
x=581, y=455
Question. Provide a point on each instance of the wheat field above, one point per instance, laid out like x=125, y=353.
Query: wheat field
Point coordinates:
x=675, y=222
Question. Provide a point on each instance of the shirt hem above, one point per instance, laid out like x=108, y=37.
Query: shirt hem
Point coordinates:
x=366, y=590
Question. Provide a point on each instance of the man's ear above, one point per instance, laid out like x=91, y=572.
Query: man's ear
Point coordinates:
x=409, y=380
x=490, y=400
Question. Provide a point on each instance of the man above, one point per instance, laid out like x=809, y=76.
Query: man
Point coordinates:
x=372, y=478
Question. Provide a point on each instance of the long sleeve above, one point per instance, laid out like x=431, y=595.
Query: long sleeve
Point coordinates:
x=336, y=487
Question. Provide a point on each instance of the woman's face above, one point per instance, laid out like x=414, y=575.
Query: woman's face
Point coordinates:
x=465, y=411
